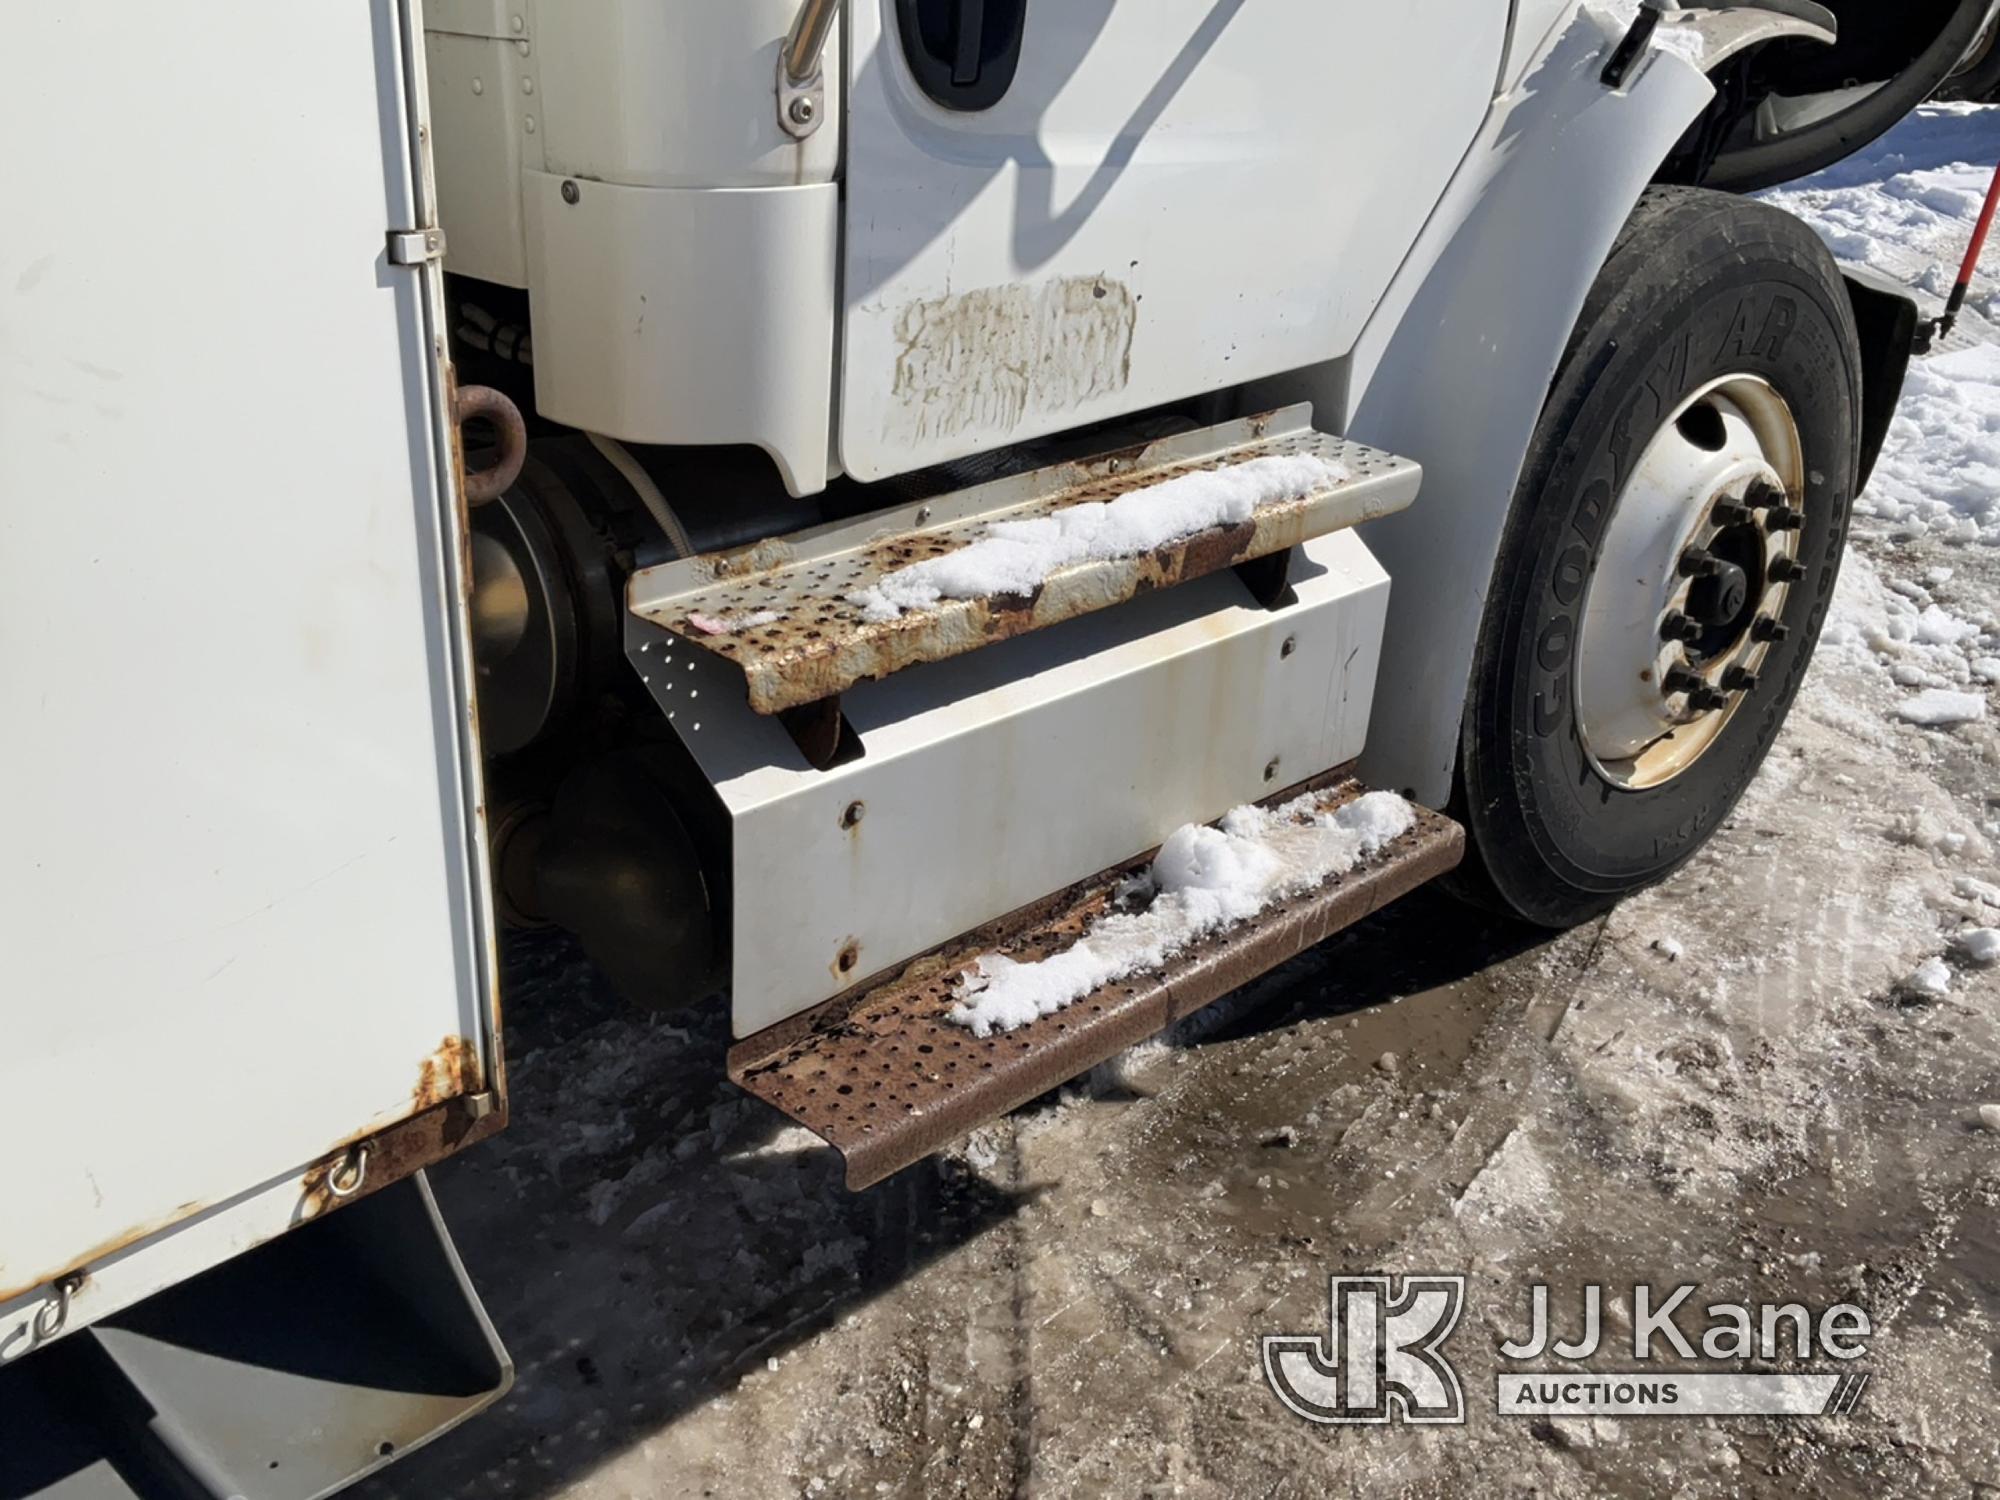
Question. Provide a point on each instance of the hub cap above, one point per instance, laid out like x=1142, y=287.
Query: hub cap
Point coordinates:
x=1688, y=596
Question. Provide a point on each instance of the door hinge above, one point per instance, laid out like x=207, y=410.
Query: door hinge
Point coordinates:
x=415, y=247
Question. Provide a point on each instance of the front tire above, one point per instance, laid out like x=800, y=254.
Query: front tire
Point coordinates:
x=1714, y=377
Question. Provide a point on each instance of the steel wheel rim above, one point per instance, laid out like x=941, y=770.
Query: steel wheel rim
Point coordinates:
x=1667, y=655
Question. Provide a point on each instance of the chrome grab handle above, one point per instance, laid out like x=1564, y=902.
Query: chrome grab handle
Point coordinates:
x=808, y=40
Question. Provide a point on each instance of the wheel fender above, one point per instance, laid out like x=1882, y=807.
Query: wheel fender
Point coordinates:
x=1453, y=368
x=1726, y=30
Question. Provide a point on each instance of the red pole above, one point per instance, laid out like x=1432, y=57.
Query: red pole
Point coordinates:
x=1972, y=252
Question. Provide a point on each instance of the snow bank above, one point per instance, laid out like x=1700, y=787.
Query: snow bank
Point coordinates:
x=1932, y=977
x=1980, y=945
x=1016, y=557
x=1938, y=708
x=1204, y=880
x=1905, y=206
x=1940, y=468
x=1974, y=889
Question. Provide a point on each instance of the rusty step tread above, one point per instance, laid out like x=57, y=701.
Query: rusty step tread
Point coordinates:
x=882, y=1076
x=782, y=610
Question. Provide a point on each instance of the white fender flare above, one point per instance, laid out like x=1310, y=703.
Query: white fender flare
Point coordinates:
x=1454, y=366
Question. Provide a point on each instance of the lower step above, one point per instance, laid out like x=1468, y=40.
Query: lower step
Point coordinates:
x=887, y=1078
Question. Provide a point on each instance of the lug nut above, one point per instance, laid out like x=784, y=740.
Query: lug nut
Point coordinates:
x=1681, y=680
x=1698, y=562
x=1729, y=513
x=1783, y=518
x=1705, y=700
x=1678, y=627
x=1762, y=493
x=1739, y=679
x=1786, y=570
x=1767, y=629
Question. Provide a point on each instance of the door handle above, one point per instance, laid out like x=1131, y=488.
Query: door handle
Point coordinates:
x=968, y=25
x=963, y=53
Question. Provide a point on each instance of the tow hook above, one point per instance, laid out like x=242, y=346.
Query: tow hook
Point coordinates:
x=475, y=402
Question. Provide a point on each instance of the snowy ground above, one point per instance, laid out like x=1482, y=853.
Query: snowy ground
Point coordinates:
x=1764, y=1076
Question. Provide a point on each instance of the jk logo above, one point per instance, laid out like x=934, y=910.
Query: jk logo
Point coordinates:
x=1380, y=1360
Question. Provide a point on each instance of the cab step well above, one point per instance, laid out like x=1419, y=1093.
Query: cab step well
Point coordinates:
x=886, y=1078
x=792, y=614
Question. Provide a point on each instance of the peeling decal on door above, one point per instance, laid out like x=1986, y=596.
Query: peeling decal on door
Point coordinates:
x=984, y=361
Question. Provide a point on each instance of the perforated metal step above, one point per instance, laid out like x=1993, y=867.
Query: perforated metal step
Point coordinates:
x=883, y=1076
x=785, y=613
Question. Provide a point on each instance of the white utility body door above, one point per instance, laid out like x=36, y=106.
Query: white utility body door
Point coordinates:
x=242, y=897
x=1061, y=212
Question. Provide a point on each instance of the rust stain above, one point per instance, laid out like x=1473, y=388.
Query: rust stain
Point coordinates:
x=881, y=1074
x=448, y=1072
x=846, y=961
x=742, y=562
x=444, y=1123
x=408, y=1146
x=106, y=1250
x=820, y=642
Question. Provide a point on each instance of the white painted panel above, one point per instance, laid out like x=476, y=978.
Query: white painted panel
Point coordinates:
x=1453, y=370
x=1173, y=197
x=687, y=315
x=478, y=119
x=1527, y=40
x=676, y=93
x=240, y=882
x=133, y=1273
x=993, y=779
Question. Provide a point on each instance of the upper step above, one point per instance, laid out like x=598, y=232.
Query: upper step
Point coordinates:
x=808, y=616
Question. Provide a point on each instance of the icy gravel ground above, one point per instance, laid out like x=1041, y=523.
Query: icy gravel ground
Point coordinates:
x=1778, y=1075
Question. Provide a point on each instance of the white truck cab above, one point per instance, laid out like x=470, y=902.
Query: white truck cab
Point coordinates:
x=958, y=530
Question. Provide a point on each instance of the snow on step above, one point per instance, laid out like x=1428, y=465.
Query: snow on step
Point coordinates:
x=1204, y=880
x=808, y=616
x=1018, y=557
x=887, y=1076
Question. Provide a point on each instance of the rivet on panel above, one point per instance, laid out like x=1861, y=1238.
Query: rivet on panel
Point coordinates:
x=1271, y=769
x=527, y=85
x=853, y=814
x=478, y=85
x=528, y=124
x=1291, y=644
x=519, y=24
x=571, y=192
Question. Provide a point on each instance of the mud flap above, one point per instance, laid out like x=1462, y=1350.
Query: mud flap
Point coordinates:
x=287, y=1373
x=1885, y=316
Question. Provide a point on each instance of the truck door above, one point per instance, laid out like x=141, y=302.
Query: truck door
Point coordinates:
x=1061, y=212
x=243, y=909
